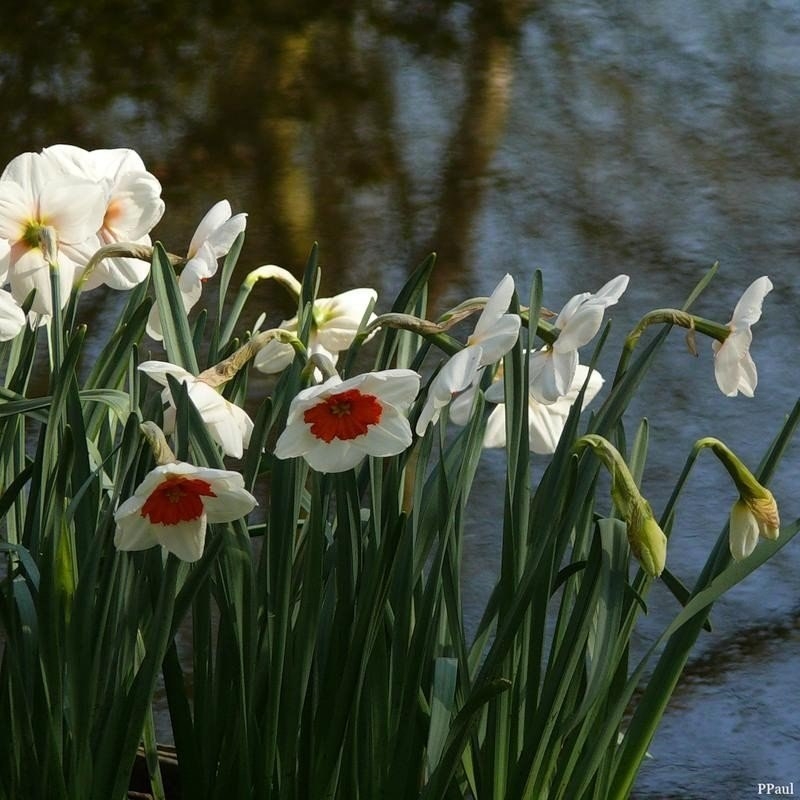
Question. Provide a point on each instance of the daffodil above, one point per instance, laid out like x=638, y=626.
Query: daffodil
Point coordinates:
x=229, y=426
x=335, y=424
x=334, y=327
x=552, y=368
x=133, y=206
x=545, y=422
x=755, y=513
x=35, y=194
x=734, y=367
x=173, y=504
x=495, y=333
x=212, y=240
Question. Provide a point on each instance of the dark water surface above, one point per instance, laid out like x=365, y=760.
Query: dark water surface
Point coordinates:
x=582, y=138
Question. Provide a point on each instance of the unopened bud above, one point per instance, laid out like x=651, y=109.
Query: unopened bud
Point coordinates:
x=647, y=541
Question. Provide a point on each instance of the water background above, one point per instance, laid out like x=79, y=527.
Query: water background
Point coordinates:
x=581, y=138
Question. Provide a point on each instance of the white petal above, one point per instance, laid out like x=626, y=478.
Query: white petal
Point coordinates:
x=153, y=327
x=134, y=208
x=546, y=422
x=610, y=293
x=581, y=328
x=389, y=437
x=337, y=456
x=5, y=260
x=115, y=162
x=134, y=532
x=190, y=285
x=12, y=318
x=158, y=371
x=748, y=376
x=570, y=307
x=748, y=309
x=496, y=306
x=201, y=266
x=223, y=237
x=455, y=376
x=461, y=406
x=215, y=216
x=743, y=531
x=184, y=539
x=273, y=357
x=30, y=271
x=496, y=393
x=16, y=209
x=728, y=359
x=338, y=317
x=295, y=440
x=234, y=502
x=545, y=425
x=500, y=340
x=232, y=432
x=550, y=374
x=398, y=387
x=74, y=207
x=31, y=171
x=495, y=433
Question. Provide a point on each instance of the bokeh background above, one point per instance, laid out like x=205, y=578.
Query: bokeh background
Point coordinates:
x=582, y=138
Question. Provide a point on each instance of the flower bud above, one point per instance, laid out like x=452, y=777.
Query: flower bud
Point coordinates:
x=647, y=540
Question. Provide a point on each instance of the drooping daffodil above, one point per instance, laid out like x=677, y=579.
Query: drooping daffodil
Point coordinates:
x=229, y=426
x=552, y=368
x=749, y=521
x=173, y=504
x=734, y=367
x=335, y=424
x=495, y=333
x=211, y=241
x=35, y=194
x=334, y=327
x=755, y=513
x=133, y=206
x=545, y=421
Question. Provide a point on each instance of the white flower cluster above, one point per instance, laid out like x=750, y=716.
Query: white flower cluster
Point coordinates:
x=60, y=206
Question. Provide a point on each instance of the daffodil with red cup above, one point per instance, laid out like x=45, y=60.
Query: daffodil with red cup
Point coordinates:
x=172, y=506
x=335, y=424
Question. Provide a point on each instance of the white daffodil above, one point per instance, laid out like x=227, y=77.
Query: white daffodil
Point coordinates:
x=495, y=333
x=545, y=421
x=173, y=505
x=230, y=426
x=751, y=519
x=553, y=368
x=12, y=318
x=35, y=194
x=212, y=240
x=133, y=206
x=335, y=424
x=734, y=367
x=335, y=324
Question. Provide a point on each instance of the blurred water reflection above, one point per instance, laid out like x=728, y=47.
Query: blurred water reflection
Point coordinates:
x=585, y=138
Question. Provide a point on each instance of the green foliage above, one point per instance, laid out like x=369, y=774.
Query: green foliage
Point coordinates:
x=328, y=652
